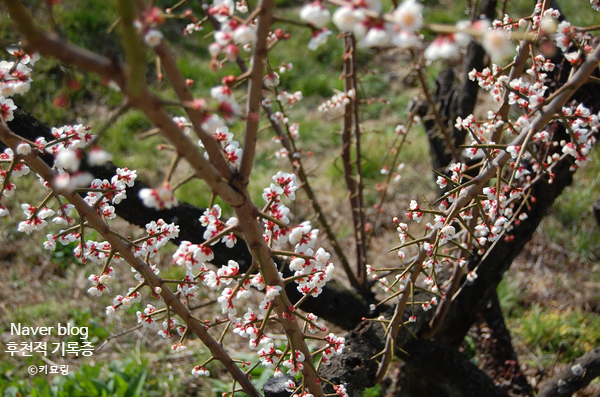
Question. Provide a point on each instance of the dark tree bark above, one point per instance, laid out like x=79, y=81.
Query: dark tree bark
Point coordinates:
x=435, y=369
x=596, y=209
x=492, y=266
x=503, y=362
x=574, y=377
x=275, y=387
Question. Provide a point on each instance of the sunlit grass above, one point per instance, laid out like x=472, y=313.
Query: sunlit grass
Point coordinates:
x=566, y=333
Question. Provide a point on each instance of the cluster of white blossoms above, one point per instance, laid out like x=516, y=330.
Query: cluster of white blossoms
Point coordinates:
x=159, y=198
x=163, y=197
x=501, y=206
x=312, y=270
x=158, y=234
x=35, y=218
x=17, y=170
x=285, y=97
x=285, y=186
x=228, y=106
x=337, y=102
x=214, y=226
x=67, y=148
x=231, y=35
x=400, y=28
x=15, y=78
x=584, y=127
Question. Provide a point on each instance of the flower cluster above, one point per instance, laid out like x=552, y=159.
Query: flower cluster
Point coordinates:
x=337, y=102
x=231, y=34
x=285, y=186
x=102, y=192
x=214, y=226
x=15, y=77
x=35, y=218
x=290, y=99
x=160, y=198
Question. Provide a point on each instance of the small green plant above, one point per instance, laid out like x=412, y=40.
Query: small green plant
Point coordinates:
x=372, y=392
x=122, y=379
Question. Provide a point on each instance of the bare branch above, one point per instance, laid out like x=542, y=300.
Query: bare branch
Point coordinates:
x=255, y=90
x=574, y=377
x=185, y=95
x=352, y=173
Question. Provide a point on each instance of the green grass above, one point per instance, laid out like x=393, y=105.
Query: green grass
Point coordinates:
x=511, y=296
x=123, y=379
x=566, y=333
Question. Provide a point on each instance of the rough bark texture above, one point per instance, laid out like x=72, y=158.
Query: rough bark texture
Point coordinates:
x=355, y=367
x=276, y=387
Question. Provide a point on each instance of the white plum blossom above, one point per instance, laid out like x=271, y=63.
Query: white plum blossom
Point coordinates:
x=6, y=108
x=497, y=44
x=183, y=124
x=222, y=10
x=35, y=218
x=271, y=80
x=408, y=16
x=378, y=35
x=211, y=123
x=346, y=18
x=98, y=157
x=191, y=28
x=234, y=153
x=315, y=14
x=200, y=371
x=153, y=37
x=23, y=149
x=272, y=292
x=160, y=198
x=319, y=38
x=304, y=237
x=244, y=34
x=68, y=160
x=404, y=39
x=443, y=47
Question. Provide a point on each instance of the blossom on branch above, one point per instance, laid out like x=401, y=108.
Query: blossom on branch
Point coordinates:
x=315, y=14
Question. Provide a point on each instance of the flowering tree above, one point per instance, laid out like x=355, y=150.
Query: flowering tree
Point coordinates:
x=497, y=176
